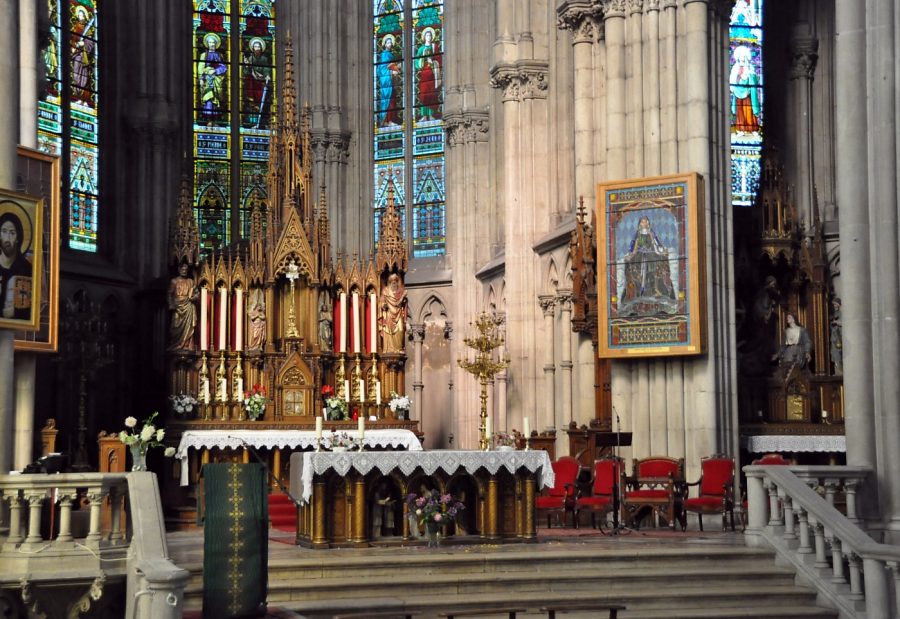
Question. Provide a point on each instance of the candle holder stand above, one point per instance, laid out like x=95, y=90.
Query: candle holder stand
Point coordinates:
x=237, y=377
x=488, y=338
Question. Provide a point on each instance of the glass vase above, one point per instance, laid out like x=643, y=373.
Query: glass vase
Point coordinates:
x=433, y=530
x=138, y=458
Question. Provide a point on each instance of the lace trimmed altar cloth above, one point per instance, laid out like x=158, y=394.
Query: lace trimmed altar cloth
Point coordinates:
x=397, y=438
x=769, y=443
x=304, y=466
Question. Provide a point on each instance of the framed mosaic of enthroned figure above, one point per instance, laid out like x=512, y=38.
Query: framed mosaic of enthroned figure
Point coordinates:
x=651, y=277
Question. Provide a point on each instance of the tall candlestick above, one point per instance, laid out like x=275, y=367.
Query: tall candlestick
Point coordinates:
x=343, y=316
x=204, y=319
x=318, y=428
x=362, y=428
x=223, y=316
x=356, y=338
x=239, y=319
x=373, y=322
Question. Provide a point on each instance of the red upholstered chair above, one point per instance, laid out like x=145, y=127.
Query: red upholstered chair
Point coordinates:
x=716, y=485
x=560, y=499
x=654, y=488
x=607, y=473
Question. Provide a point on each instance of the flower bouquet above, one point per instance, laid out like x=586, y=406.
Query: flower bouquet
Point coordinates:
x=335, y=407
x=434, y=509
x=341, y=441
x=255, y=402
x=399, y=405
x=505, y=441
x=183, y=403
x=140, y=441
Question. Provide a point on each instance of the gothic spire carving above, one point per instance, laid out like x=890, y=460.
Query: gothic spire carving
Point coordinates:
x=393, y=253
x=184, y=235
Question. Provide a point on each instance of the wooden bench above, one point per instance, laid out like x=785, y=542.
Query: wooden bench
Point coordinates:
x=575, y=606
x=477, y=612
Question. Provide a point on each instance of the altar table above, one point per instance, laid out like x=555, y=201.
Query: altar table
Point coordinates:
x=338, y=490
x=284, y=439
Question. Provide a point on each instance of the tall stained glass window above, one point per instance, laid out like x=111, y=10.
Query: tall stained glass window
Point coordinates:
x=408, y=118
x=234, y=100
x=68, y=112
x=746, y=86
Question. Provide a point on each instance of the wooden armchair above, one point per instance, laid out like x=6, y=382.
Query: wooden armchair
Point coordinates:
x=560, y=499
x=655, y=488
x=607, y=474
x=716, y=490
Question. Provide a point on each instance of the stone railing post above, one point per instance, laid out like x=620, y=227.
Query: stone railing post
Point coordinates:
x=878, y=599
x=65, y=516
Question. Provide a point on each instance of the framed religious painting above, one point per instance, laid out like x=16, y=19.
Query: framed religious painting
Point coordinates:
x=651, y=267
x=21, y=251
x=37, y=174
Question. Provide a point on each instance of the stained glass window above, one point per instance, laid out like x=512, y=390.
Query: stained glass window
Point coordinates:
x=68, y=112
x=408, y=110
x=746, y=97
x=234, y=52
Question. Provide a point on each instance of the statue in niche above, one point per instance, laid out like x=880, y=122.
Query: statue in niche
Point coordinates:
x=382, y=510
x=795, y=352
x=326, y=333
x=256, y=314
x=837, y=336
x=392, y=322
x=182, y=295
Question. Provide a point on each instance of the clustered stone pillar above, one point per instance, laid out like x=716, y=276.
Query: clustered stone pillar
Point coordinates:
x=417, y=333
x=805, y=55
x=548, y=308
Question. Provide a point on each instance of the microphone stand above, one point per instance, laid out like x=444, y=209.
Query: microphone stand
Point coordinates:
x=618, y=527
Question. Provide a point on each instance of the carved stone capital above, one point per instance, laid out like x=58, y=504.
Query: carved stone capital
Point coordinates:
x=651, y=5
x=524, y=79
x=417, y=332
x=466, y=126
x=548, y=304
x=329, y=146
x=613, y=8
x=635, y=7
x=805, y=57
x=577, y=16
x=564, y=298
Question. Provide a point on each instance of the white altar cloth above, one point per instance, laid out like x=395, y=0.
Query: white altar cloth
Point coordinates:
x=794, y=443
x=284, y=439
x=307, y=464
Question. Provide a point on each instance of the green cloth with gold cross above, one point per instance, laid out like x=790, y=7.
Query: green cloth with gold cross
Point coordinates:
x=235, y=541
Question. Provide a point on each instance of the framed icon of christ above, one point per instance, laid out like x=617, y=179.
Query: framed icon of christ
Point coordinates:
x=651, y=267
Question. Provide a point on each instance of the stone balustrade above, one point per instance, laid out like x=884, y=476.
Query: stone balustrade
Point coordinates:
x=792, y=510
x=118, y=548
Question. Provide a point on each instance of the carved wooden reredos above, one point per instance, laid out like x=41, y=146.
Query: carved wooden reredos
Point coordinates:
x=275, y=309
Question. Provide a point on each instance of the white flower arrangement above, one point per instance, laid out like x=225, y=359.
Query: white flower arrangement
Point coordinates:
x=148, y=436
x=399, y=402
x=183, y=403
x=342, y=439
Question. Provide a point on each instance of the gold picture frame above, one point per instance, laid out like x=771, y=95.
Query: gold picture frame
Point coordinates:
x=38, y=174
x=651, y=277
x=21, y=251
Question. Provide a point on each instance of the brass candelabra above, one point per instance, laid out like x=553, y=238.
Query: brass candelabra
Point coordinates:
x=489, y=337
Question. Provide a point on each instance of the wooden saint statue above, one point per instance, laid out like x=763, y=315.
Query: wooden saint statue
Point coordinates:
x=393, y=315
x=182, y=295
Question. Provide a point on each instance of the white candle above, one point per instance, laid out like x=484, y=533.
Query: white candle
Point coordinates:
x=356, y=335
x=204, y=319
x=206, y=391
x=343, y=316
x=347, y=390
x=373, y=321
x=362, y=390
x=824, y=414
x=239, y=319
x=319, y=427
x=223, y=387
x=362, y=428
x=378, y=392
x=223, y=316
x=488, y=430
x=526, y=427
x=240, y=388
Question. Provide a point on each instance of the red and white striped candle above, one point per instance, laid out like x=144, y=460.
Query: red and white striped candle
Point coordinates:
x=239, y=319
x=223, y=317
x=373, y=324
x=357, y=340
x=343, y=327
x=204, y=319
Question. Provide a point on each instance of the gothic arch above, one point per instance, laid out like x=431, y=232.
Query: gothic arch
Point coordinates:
x=551, y=281
x=433, y=307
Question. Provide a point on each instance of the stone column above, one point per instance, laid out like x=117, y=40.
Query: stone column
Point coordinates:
x=564, y=300
x=635, y=117
x=881, y=91
x=652, y=149
x=577, y=17
x=805, y=55
x=417, y=334
x=548, y=416
x=9, y=132
x=852, y=192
